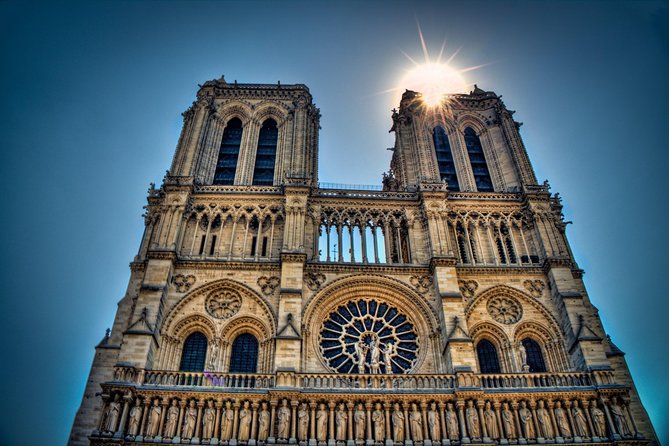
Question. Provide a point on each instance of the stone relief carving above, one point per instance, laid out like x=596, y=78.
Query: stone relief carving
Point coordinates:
x=422, y=284
x=222, y=304
x=535, y=287
x=268, y=284
x=504, y=309
x=468, y=288
x=314, y=280
x=183, y=283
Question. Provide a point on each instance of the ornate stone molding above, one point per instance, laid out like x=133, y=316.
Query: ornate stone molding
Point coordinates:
x=314, y=280
x=268, y=284
x=468, y=288
x=535, y=287
x=182, y=282
x=504, y=309
x=222, y=304
x=422, y=284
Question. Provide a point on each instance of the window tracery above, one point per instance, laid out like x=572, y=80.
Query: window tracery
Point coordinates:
x=445, y=161
x=487, y=356
x=244, y=354
x=193, y=353
x=478, y=161
x=226, y=166
x=263, y=173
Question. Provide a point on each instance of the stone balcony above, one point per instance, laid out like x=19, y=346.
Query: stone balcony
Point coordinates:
x=324, y=409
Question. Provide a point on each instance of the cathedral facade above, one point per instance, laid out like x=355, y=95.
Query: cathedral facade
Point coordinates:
x=443, y=307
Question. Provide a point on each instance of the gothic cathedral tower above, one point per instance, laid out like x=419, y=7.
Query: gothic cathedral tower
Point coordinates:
x=444, y=307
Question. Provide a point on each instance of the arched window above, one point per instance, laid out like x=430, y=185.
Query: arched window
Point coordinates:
x=477, y=160
x=535, y=359
x=488, y=360
x=442, y=149
x=194, y=353
x=244, y=356
x=226, y=167
x=263, y=174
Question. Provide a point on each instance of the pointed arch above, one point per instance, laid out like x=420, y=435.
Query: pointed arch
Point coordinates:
x=228, y=155
x=477, y=160
x=265, y=160
x=445, y=161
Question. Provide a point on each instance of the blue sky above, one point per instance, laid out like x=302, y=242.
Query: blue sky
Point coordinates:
x=90, y=114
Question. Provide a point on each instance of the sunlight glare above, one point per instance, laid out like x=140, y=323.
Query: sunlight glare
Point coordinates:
x=434, y=80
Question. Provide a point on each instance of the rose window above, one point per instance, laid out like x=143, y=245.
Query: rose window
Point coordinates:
x=223, y=304
x=367, y=336
x=505, y=310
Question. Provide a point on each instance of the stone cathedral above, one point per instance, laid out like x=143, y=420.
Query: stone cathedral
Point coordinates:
x=442, y=307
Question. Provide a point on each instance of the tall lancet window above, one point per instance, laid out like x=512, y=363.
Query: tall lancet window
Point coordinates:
x=226, y=167
x=477, y=160
x=445, y=158
x=193, y=353
x=263, y=174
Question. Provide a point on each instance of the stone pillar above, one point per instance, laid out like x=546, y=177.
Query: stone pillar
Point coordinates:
x=464, y=437
x=127, y=398
x=312, y=423
x=331, y=436
x=271, y=438
x=166, y=404
x=368, y=417
x=351, y=441
x=484, y=428
x=408, y=440
x=198, y=423
x=615, y=435
x=293, y=422
x=498, y=419
x=235, y=422
x=426, y=430
x=585, y=405
x=254, y=423
x=182, y=406
x=533, y=408
x=217, y=423
x=556, y=432
x=145, y=415
x=519, y=430
x=386, y=411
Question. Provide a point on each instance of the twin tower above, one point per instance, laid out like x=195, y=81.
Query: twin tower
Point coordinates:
x=443, y=307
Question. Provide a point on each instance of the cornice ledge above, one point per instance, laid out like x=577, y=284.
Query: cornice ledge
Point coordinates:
x=447, y=261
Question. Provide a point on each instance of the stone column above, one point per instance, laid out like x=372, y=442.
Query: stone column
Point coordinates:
x=166, y=404
x=426, y=430
x=198, y=423
x=625, y=403
x=609, y=422
x=145, y=415
x=551, y=411
x=351, y=441
x=127, y=398
x=442, y=423
x=271, y=438
x=408, y=441
x=217, y=423
x=331, y=436
x=567, y=408
x=519, y=430
x=293, y=422
x=312, y=423
x=235, y=422
x=386, y=411
x=368, y=413
x=498, y=418
x=533, y=408
x=484, y=428
x=254, y=423
x=585, y=405
x=182, y=406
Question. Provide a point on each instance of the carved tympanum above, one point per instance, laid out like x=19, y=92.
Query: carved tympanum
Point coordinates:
x=222, y=304
x=505, y=309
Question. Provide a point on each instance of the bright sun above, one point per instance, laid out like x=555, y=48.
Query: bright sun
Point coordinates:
x=434, y=80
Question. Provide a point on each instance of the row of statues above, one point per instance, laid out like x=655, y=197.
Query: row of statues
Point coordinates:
x=372, y=422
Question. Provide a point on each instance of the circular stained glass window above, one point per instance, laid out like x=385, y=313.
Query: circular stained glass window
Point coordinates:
x=368, y=336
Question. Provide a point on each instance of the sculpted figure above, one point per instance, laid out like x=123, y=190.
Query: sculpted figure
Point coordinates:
x=561, y=420
x=507, y=421
x=283, y=420
x=244, y=422
x=416, y=423
x=208, y=420
x=171, y=422
x=135, y=418
x=154, y=419
x=113, y=413
x=522, y=353
x=378, y=420
x=303, y=422
x=388, y=354
x=340, y=420
x=189, y=421
x=490, y=421
x=580, y=423
x=433, y=423
x=213, y=356
x=598, y=420
x=619, y=418
x=263, y=423
x=322, y=423
x=359, y=420
x=398, y=423
x=360, y=353
x=526, y=421
x=544, y=421
x=452, y=423
x=375, y=363
x=472, y=420
x=227, y=416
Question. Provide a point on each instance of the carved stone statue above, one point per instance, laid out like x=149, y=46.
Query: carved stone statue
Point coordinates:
x=452, y=423
x=213, y=356
x=398, y=423
x=619, y=418
x=544, y=421
x=189, y=421
x=388, y=354
x=379, y=423
x=340, y=421
x=227, y=416
x=303, y=422
x=359, y=422
x=433, y=423
x=416, y=423
x=490, y=421
x=155, y=412
x=360, y=354
x=525, y=415
x=472, y=420
x=244, y=423
x=263, y=423
x=283, y=421
x=561, y=421
x=113, y=413
x=580, y=423
x=322, y=423
x=507, y=422
x=172, y=418
x=522, y=353
x=375, y=357
x=598, y=420
x=208, y=420
x=135, y=418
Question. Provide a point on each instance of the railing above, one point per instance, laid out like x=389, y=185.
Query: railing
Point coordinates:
x=195, y=379
x=373, y=382
x=534, y=380
x=349, y=186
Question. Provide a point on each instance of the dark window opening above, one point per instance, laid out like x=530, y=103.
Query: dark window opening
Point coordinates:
x=213, y=246
x=194, y=353
x=478, y=162
x=226, y=167
x=253, y=245
x=264, y=246
x=263, y=174
x=204, y=240
x=244, y=355
x=487, y=354
x=535, y=359
x=445, y=159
